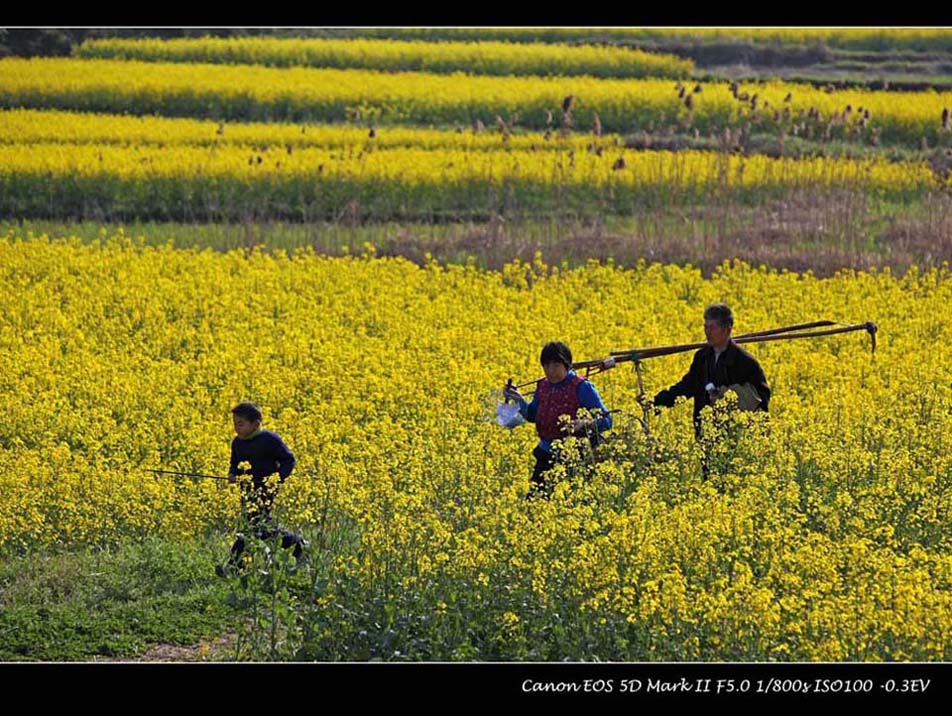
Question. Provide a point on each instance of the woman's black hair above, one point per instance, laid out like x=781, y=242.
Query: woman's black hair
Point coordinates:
x=556, y=352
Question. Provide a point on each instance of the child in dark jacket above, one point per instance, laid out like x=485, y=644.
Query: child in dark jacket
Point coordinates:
x=267, y=454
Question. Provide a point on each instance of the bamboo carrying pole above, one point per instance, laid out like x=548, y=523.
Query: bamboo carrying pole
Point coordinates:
x=776, y=334
x=593, y=367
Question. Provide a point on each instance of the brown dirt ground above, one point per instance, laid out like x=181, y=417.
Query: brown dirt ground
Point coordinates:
x=220, y=649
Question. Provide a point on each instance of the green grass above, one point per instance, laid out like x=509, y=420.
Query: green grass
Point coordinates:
x=78, y=605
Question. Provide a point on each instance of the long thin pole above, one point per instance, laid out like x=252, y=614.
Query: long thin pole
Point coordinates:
x=186, y=474
x=593, y=367
x=787, y=329
x=212, y=477
x=639, y=354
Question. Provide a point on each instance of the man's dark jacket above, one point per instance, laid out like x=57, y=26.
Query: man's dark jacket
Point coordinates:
x=734, y=366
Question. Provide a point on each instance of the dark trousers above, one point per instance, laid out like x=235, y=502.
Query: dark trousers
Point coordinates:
x=288, y=539
x=722, y=436
x=257, y=514
x=545, y=461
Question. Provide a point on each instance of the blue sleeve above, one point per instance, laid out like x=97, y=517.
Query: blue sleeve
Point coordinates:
x=284, y=457
x=589, y=398
x=529, y=410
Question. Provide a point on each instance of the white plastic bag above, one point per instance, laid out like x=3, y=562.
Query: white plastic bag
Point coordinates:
x=508, y=415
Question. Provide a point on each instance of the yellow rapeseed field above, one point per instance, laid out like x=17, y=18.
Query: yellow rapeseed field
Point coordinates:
x=19, y=126
x=478, y=58
x=824, y=538
x=229, y=181
x=253, y=92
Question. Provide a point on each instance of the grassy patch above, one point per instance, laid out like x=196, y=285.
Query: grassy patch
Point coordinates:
x=115, y=602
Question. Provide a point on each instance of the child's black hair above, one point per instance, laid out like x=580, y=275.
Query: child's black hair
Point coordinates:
x=248, y=411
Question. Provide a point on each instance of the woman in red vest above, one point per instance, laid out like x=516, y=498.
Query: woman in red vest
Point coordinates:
x=561, y=392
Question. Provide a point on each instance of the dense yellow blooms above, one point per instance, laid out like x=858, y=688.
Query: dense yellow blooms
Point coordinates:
x=252, y=92
x=822, y=533
x=187, y=181
x=826, y=539
x=34, y=126
x=478, y=58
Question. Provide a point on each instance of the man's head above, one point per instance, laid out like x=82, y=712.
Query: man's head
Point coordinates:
x=556, y=361
x=246, y=418
x=718, y=324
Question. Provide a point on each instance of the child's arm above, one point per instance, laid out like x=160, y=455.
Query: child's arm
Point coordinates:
x=284, y=457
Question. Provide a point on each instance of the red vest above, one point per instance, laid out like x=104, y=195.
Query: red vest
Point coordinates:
x=556, y=400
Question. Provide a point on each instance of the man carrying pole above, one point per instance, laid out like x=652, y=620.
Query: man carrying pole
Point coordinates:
x=719, y=365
